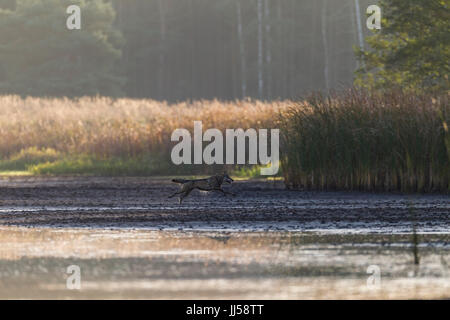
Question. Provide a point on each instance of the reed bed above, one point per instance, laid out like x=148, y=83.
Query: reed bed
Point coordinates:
x=118, y=133
x=356, y=140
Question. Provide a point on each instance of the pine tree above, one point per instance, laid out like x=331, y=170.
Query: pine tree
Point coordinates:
x=40, y=56
x=412, y=50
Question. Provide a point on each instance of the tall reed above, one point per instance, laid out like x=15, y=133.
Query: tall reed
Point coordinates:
x=356, y=140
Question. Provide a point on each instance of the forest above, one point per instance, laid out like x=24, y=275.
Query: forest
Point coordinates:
x=176, y=50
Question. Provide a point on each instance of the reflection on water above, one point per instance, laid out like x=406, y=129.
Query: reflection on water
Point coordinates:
x=192, y=264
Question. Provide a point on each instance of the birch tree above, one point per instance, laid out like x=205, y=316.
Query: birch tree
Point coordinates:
x=241, y=49
x=359, y=25
x=162, y=60
x=268, y=48
x=260, y=49
x=325, y=44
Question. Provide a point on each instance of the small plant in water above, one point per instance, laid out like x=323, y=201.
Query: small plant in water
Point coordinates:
x=415, y=236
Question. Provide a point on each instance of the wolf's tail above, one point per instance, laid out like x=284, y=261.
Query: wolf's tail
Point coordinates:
x=179, y=180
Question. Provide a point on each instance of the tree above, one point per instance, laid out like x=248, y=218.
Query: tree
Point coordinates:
x=241, y=49
x=162, y=56
x=268, y=48
x=40, y=56
x=359, y=24
x=324, y=19
x=260, y=49
x=176, y=50
x=412, y=49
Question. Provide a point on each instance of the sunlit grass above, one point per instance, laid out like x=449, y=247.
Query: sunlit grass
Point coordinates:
x=391, y=141
x=103, y=127
x=14, y=173
x=113, y=137
x=25, y=158
x=253, y=172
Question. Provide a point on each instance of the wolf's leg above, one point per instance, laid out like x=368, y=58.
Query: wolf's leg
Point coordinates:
x=184, y=195
x=173, y=195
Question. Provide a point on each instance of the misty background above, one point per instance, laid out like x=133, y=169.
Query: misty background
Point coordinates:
x=180, y=49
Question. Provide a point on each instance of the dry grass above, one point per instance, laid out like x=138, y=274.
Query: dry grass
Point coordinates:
x=93, y=129
x=125, y=128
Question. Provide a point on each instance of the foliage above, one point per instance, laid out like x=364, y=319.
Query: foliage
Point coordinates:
x=412, y=50
x=40, y=56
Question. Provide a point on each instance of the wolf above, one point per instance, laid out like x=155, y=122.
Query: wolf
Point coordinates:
x=213, y=183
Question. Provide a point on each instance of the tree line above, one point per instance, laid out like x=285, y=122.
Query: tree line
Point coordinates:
x=230, y=49
x=184, y=49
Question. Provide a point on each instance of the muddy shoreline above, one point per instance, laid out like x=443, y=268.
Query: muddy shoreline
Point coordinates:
x=141, y=203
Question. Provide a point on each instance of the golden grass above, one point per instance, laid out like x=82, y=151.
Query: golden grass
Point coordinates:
x=104, y=127
x=390, y=141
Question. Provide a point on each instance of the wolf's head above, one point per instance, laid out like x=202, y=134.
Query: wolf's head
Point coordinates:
x=227, y=178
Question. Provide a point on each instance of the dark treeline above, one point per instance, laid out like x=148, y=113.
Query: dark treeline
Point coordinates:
x=195, y=49
x=231, y=49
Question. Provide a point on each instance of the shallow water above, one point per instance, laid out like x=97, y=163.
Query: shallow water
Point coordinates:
x=130, y=241
x=123, y=264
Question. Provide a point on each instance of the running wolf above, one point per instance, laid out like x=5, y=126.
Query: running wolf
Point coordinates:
x=213, y=183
